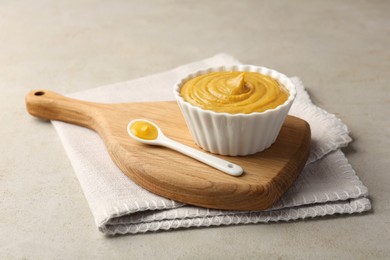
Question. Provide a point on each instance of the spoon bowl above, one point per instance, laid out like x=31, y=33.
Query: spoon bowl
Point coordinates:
x=157, y=141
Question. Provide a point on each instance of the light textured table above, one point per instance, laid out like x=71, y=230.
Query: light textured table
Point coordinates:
x=339, y=49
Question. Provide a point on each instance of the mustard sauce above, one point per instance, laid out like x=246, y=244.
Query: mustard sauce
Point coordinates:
x=144, y=130
x=234, y=92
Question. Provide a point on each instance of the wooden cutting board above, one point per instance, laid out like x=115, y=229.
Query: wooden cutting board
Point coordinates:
x=267, y=175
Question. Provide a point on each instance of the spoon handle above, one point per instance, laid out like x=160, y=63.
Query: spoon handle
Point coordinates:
x=213, y=161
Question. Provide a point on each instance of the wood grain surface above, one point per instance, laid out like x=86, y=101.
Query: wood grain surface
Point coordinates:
x=267, y=175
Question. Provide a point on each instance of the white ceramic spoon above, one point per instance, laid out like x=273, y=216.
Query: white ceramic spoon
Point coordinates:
x=162, y=140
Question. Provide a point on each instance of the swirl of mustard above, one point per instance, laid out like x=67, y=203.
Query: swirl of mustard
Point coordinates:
x=234, y=92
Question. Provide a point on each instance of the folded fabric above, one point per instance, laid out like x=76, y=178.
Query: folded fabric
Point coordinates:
x=328, y=185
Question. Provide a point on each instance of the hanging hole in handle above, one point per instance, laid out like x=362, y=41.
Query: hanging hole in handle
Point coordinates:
x=39, y=93
x=230, y=165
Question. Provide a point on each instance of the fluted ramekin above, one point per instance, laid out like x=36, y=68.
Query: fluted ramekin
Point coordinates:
x=235, y=134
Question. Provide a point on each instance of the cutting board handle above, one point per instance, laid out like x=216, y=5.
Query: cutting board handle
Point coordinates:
x=46, y=104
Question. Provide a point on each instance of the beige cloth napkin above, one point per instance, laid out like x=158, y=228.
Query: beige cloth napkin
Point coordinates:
x=328, y=185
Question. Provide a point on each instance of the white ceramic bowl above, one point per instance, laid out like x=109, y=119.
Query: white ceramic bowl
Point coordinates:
x=235, y=134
